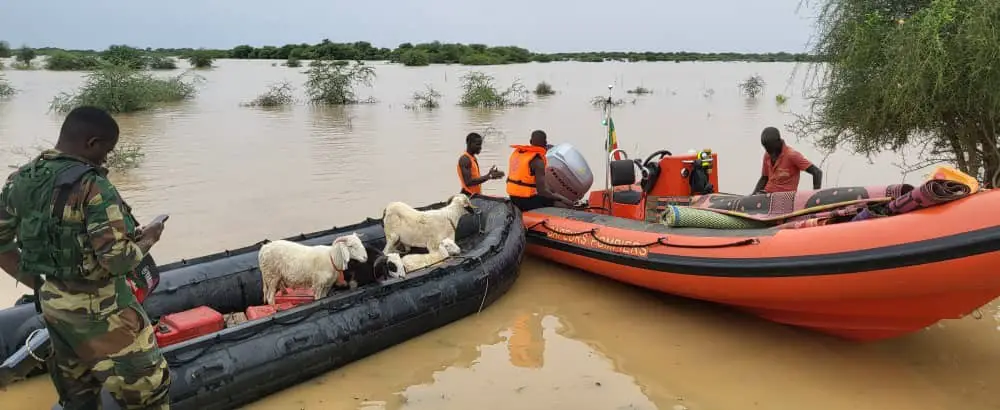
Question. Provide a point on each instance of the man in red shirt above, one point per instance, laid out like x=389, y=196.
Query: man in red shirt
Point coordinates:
x=782, y=166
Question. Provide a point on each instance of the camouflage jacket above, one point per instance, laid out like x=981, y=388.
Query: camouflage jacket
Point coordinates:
x=108, y=245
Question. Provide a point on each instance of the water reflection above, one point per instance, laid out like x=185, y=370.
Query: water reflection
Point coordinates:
x=537, y=368
x=524, y=342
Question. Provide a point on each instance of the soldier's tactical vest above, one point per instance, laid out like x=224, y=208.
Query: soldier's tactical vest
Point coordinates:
x=39, y=191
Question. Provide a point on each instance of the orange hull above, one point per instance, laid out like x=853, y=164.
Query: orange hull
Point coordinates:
x=864, y=281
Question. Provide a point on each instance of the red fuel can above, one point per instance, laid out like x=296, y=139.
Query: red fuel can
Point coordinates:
x=189, y=324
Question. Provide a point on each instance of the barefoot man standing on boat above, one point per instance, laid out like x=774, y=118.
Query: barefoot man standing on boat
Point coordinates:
x=782, y=166
x=62, y=218
x=468, y=167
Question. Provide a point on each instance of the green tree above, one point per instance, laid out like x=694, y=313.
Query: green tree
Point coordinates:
x=4, y=49
x=126, y=56
x=415, y=58
x=200, y=59
x=25, y=55
x=330, y=82
x=911, y=73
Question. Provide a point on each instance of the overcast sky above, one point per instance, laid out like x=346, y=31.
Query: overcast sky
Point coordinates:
x=539, y=25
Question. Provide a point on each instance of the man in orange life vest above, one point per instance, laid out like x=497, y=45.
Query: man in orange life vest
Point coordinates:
x=526, y=182
x=468, y=167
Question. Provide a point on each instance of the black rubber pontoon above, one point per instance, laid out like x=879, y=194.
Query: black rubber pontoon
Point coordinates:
x=243, y=363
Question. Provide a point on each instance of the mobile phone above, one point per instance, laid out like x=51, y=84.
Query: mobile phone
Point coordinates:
x=161, y=219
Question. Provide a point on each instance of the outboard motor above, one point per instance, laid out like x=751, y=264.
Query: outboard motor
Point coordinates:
x=567, y=172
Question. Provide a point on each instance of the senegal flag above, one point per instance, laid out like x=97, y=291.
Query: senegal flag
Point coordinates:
x=612, y=137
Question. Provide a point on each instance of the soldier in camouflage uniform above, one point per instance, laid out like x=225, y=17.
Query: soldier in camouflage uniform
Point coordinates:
x=60, y=217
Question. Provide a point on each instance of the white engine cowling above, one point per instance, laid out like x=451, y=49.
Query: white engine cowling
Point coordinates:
x=567, y=172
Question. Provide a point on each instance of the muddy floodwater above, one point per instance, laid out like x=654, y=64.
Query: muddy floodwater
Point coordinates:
x=560, y=339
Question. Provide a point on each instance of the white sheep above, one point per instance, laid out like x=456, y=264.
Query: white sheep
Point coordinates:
x=414, y=261
x=286, y=263
x=406, y=227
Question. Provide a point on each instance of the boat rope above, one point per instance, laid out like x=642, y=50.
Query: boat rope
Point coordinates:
x=663, y=240
x=482, y=303
x=977, y=314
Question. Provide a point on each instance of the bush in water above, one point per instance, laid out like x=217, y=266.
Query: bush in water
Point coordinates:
x=333, y=82
x=200, y=59
x=126, y=56
x=424, y=99
x=119, y=89
x=478, y=91
x=640, y=90
x=25, y=55
x=125, y=156
x=66, y=61
x=753, y=86
x=162, y=63
x=276, y=95
x=5, y=88
x=543, y=88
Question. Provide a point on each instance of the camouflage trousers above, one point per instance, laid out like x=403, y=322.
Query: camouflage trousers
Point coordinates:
x=116, y=351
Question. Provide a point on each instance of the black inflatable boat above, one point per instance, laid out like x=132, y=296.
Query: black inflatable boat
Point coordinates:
x=244, y=362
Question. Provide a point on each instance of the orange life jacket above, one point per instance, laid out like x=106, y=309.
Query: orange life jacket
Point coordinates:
x=520, y=182
x=473, y=174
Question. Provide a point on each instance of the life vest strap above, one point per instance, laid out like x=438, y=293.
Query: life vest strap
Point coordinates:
x=516, y=182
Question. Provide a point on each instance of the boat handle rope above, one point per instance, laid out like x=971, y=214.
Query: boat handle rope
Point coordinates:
x=663, y=240
x=469, y=260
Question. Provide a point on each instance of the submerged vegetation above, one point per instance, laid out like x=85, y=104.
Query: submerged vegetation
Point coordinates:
x=753, y=86
x=23, y=58
x=162, y=63
x=122, y=89
x=276, y=95
x=126, y=155
x=640, y=90
x=478, y=90
x=64, y=61
x=125, y=56
x=911, y=74
x=543, y=88
x=429, y=99
x=602, y=101
x=6, y=90
x=200, y=59
x=333, y=83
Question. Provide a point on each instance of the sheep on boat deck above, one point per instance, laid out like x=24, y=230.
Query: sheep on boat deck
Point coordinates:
x=406, y=227
x=290, y=264
x=415, y=261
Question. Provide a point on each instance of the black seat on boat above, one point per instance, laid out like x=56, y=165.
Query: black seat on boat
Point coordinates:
x=623, y=174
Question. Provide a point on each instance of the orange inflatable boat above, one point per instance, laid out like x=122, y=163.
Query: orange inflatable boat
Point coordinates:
x=862, y=263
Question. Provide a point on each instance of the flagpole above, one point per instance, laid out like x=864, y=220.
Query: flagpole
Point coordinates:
x=607, y=149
